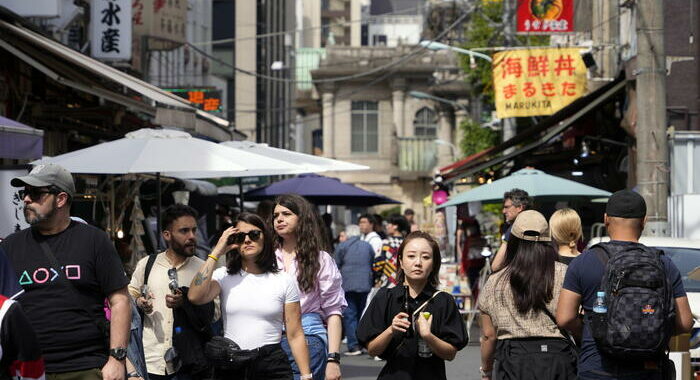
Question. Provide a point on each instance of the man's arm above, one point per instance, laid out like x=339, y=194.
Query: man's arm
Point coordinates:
x=500, y=257
x=567, y=311
x=118, y=333
x=684, y=317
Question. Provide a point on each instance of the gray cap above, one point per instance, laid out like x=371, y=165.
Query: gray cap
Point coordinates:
x=47, y=175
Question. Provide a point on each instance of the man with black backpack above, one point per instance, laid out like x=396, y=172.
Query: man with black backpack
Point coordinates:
x=632, y=297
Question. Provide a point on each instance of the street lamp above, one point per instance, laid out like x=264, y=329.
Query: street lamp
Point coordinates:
x=433, y=45
x=423, y=95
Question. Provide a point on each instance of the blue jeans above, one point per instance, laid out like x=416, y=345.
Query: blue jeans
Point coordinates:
x=134, y=351
x=351, y=317
x=317, y=341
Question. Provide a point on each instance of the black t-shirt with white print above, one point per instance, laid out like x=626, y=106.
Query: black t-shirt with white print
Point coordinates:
x=70, y=340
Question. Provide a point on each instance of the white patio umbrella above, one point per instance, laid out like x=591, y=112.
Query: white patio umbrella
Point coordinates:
x=168, y=152
x=305, y=163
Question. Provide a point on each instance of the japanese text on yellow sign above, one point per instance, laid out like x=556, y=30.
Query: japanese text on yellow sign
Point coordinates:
x=536, y=82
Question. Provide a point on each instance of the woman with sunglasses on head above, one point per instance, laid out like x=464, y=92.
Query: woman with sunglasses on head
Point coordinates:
x=301, y=252
x=413, y=326
x=258, y=301
x=520, y=338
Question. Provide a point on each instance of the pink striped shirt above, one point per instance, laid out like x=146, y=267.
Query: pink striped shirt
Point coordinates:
x=327, y=297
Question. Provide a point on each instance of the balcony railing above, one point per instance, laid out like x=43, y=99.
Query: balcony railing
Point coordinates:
x=307, y=59
x=417, y=154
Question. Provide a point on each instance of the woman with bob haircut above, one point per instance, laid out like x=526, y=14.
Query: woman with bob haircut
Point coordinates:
x=258, y=301
x=302, y=253
x=518, y=304
x=566, y=233
x=414, y=314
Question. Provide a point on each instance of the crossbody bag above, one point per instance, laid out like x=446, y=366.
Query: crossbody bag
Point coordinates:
x=414, y=315
x=102, y=324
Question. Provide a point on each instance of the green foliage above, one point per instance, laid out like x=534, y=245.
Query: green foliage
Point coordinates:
x=492, y=208
x=390, y=211
x=476, y=138
x=485, y=29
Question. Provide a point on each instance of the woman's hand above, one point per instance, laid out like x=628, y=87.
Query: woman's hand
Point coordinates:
x=400, y=323
x=423, y=325
x=222, y=245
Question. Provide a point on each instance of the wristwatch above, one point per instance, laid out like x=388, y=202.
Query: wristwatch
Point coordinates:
x=485, y=373
x=118, y=353
x=334, y=357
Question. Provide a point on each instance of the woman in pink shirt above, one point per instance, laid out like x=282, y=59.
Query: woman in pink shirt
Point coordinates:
x=301, y=252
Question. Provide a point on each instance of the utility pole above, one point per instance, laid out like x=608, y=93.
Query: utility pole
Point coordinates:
x=509, y=125
x=652, y=144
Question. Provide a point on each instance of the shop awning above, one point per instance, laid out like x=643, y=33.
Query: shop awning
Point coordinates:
x=19, y=141
x=32, y=45
x=542, y=132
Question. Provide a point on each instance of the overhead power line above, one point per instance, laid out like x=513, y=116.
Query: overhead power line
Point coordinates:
x=406, y=57
x=288, y=31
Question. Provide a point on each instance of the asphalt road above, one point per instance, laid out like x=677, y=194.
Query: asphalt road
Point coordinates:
x=464, y=367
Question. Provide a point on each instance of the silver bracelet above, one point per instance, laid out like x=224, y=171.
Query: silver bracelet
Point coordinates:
x=307, y=376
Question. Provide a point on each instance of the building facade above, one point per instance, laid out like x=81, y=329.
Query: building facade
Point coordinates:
x=373, y=121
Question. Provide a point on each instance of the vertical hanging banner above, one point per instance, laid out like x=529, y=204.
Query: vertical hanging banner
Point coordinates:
x=533, y=82
x=545, y=16
x=110, y=29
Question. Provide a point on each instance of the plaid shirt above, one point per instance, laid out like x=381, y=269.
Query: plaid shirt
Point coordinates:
x=385, y=265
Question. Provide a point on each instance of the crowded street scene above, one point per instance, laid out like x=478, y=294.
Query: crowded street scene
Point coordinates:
x=349, y=189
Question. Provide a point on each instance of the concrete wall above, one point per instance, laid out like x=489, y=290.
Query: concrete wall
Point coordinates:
x=397, y=29
x=245, y=58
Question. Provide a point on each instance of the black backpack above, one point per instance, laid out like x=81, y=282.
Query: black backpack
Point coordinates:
x=641, y=309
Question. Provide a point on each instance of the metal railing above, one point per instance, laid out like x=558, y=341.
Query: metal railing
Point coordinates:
x=417, y=154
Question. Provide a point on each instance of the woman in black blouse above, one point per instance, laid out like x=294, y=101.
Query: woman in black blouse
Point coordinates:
x=394, y=323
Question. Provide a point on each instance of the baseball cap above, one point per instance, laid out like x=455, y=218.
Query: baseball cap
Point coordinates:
x=47, y=175
x=531, y=225
x=626, y=204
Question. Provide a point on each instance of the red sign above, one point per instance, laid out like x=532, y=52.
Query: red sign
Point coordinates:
x=545, y=16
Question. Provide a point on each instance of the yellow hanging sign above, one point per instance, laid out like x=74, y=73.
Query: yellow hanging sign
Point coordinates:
x=533, y=82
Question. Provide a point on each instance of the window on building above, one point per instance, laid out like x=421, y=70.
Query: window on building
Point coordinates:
x=379, y=40
x=425, y=123
x=365, y=120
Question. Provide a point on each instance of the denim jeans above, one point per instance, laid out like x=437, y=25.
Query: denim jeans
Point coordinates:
x=134, y=351
x=351, y=317
x=317, y=341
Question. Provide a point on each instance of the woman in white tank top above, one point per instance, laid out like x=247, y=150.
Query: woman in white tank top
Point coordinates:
x=258, y=301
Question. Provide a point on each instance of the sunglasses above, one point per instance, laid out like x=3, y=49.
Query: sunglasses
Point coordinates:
x=239, y=238
x=34, y=193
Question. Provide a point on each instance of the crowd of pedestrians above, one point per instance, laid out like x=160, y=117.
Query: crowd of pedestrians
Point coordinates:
x=274, y=299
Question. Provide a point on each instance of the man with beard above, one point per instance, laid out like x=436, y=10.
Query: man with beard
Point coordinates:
x=161, y=293
x=67, y=269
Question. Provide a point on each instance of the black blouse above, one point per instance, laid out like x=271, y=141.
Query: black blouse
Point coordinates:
x=402, y=360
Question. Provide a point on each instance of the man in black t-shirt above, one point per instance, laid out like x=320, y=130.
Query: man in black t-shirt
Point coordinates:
x=67, y=313
x=625, y=216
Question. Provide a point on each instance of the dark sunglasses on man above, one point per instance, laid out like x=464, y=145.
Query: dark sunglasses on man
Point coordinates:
x=239, y=237
x=35, y=193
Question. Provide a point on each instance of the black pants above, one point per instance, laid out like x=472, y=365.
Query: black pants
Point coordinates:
x=535, y=358
x=270, y=364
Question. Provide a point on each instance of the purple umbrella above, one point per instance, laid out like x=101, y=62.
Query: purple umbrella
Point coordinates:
x=320, y=190
x=19, y=141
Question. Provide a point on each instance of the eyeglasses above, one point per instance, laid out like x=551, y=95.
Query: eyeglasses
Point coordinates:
x=34, y=193
x=239, y=238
